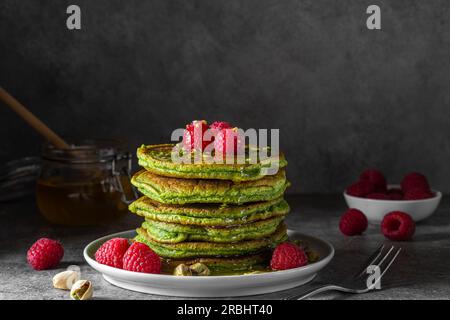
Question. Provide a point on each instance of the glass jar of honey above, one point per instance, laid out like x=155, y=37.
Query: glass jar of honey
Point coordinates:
x=87, y=184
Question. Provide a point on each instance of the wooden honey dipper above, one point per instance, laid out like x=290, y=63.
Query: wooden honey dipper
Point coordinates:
x=32, y=120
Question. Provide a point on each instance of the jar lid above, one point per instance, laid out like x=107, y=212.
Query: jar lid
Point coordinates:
x=85, y=151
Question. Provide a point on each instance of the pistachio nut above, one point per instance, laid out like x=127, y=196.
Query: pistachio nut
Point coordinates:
x=81, y=290
x=64, y=280
x=182, y=270
x=313, y=256
x=199, y=269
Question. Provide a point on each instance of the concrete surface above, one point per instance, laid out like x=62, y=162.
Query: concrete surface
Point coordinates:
x=421, y=272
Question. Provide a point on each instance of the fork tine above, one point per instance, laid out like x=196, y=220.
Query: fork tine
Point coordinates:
x=389, y=263
x=385, y=256
x=373, y=258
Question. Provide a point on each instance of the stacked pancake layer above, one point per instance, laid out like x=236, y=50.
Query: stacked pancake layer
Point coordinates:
x=228, y=217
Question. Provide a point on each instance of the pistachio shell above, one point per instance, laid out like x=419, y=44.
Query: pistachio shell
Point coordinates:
x=199, y=269
x=182, y=270
x=81, y=290
x=64, y=280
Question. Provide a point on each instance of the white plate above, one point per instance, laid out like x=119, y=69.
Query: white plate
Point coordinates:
x=211, y=286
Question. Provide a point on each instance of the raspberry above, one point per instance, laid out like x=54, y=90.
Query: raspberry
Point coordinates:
x=217, y=126
x=353, y=222
x=111, y=252
x=360, y=189
x=376, y=178
x=220, y=142
x=398, y=226
x=45, y=254
x=193, y=135
x=288, y=256
x=415, y=180
x=395, y=194
x=220, y=125
x=417, y=194
x=378, y=196
x=140, y=258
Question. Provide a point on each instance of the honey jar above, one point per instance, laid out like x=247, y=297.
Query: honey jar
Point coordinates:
x=87, y=184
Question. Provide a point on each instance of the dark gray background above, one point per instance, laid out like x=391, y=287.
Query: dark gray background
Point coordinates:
x=345, y=98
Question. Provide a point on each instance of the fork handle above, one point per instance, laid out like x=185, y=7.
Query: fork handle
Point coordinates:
x=317, y=290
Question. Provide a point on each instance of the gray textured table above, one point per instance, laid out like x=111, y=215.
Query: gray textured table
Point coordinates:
x=422, y=270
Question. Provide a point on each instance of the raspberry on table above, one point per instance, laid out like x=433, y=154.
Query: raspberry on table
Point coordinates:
x=376, y=178
x=398, y=226
x=353, y=222
x=45, y=254
x=415, y=180
x=360, y=189
x=140, y=258
x=193, y=136
x=112, y=251
x=288, y=255
x=417, y=194
x=378, y=196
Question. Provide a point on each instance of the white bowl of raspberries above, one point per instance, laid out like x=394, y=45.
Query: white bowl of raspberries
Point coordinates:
x=375, y=198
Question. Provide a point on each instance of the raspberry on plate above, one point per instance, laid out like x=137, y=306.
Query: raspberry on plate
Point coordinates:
x=217, y=126
x=417, y=194
x=360, y=189
x=378, y=196
x=288, y=255
x=111, y=252
x=415, y=180
x=376, y=178
x=193, y=136
x=353, y=222
x=45, y=254
x=222, y=138
x=140, y=258
x=220, y=125
x=398, y=226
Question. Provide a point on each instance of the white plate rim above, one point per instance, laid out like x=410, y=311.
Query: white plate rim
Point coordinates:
x=125, y=273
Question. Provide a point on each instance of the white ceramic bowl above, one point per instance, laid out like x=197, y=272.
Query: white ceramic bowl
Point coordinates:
x=375, y=209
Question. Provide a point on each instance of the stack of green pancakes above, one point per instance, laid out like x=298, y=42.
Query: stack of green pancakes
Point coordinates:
x=227, y=216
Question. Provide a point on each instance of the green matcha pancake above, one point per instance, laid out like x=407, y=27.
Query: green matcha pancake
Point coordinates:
x=223, y=266
x=211, y=249
x=174, y=233
x=209, y=215
x=157, y=159
x=181, y=191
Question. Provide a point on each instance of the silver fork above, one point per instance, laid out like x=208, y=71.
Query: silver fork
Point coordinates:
x=359, y=282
